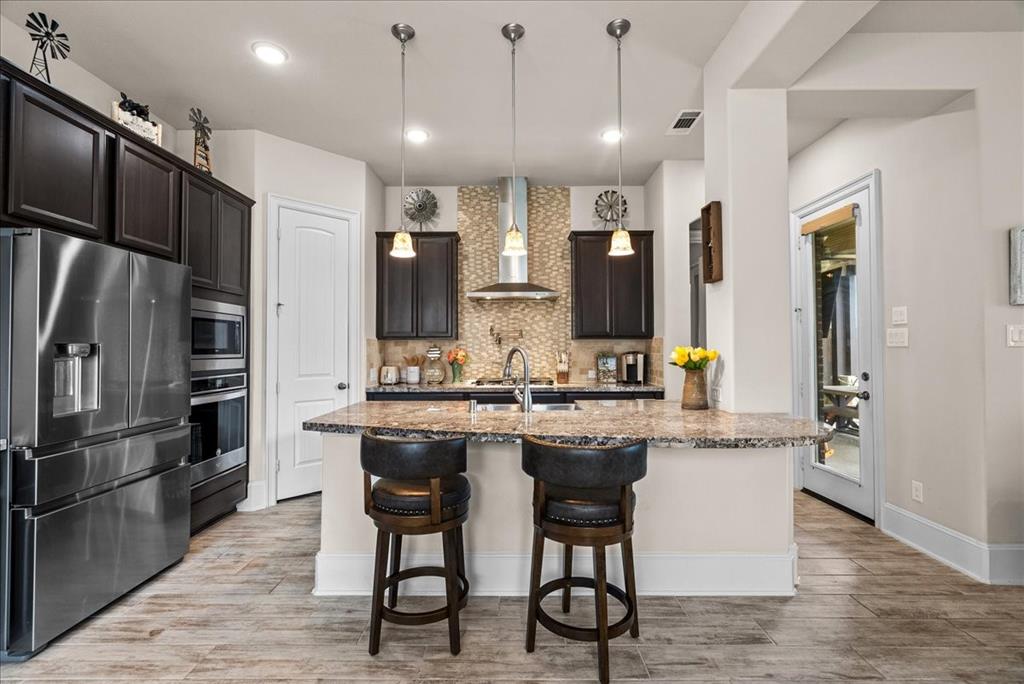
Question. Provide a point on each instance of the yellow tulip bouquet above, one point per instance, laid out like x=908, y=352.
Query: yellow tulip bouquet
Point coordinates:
x=693, y=358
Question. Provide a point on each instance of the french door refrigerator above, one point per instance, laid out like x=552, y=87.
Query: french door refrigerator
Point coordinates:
x=94, y=397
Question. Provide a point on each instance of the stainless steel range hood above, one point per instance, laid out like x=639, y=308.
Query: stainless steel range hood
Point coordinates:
x=513, y=281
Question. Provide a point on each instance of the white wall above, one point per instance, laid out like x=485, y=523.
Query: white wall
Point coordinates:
x=66, y=75
x=581, y=207
x=447, y=218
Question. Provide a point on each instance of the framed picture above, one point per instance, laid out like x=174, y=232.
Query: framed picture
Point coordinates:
x=607, y=364
x=1017, y=265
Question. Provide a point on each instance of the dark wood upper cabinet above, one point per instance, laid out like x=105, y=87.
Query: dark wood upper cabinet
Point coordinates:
x=199, y=211
x=146, y=201
x=58, y=172
x=233, y=246
x=418, y=297
x=612, y=297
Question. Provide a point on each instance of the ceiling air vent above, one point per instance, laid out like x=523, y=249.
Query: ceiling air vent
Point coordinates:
x=684, y=122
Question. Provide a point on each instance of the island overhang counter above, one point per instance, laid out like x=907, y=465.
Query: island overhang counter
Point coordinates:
x=714, y=514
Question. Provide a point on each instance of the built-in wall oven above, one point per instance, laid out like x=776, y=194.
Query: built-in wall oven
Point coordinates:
x=218, y=336
x=219, y=424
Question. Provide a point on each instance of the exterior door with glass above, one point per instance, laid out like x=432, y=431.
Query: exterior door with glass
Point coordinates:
x=836, y=301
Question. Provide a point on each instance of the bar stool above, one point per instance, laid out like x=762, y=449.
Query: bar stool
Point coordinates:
x=583, y=496
x=420, y=491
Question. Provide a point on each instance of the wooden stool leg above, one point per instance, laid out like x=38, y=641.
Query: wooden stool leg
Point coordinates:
x=376, y=610
x=629, y=571
x=567, y=573
x=451, y=580
x=460, y=552
x=601, y=597
x=535, y=569
x=396, y=565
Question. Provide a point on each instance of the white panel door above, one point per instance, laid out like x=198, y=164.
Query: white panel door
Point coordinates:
x=312, y=340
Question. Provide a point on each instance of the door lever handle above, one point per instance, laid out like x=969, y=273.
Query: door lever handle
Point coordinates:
x=864, y=395
x=342, y=386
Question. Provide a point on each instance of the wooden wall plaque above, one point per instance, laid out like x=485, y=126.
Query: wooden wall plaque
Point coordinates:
x=711, y=241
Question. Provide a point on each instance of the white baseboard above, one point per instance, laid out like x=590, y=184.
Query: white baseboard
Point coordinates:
x=257, y=498
x=990, y=563
x=501, y=574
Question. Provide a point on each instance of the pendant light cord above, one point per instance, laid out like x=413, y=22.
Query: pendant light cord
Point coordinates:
x=401, y=197
x=514, y=222
x=618, y=50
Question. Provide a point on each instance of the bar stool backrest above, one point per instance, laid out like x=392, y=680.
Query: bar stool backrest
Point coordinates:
x=402, y=458
x=591, y=467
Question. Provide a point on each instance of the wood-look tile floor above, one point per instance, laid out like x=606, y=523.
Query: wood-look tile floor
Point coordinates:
x=239, y=608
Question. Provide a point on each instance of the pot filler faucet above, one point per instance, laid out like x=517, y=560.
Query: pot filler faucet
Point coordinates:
x=524, y=397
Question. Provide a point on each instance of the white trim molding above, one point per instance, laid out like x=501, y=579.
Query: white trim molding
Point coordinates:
x=257, y=498
x=507, y=574
x=989, y=563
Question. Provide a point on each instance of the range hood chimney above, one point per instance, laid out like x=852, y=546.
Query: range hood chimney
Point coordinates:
x=513, y=274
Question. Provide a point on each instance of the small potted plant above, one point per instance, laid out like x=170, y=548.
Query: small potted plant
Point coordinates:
x=694, y=361
x=457, y=357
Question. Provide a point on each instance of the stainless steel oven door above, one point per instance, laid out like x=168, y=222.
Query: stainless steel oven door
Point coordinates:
x=219, y=432
x=218, y=335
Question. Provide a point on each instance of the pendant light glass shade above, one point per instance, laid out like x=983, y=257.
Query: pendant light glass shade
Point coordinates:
x=402, y=246
x=621, y=244
x=514, y=243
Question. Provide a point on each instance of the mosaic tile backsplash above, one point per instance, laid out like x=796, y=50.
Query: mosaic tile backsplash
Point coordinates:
x=545, y=326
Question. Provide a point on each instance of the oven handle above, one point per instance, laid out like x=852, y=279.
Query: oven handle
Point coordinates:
x=213, y=398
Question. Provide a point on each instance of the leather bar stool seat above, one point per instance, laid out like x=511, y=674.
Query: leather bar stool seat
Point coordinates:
x=581, y=507
x=412, y=497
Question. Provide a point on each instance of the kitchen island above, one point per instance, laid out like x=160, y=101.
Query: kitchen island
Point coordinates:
x=714, y=514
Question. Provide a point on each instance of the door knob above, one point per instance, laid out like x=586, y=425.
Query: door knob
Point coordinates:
x=342, y=386
x=864, y=395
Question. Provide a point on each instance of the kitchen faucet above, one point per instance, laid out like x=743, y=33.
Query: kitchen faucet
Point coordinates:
x=524, y=397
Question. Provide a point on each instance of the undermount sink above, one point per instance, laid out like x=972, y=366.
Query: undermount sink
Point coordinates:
x=537, y=408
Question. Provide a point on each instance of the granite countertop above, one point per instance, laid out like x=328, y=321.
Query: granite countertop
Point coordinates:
x=660, y=422
x=471, y=387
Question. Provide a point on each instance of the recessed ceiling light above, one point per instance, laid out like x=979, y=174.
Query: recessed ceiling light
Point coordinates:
x=417, y=135
x=269, y=53
x=612, y=135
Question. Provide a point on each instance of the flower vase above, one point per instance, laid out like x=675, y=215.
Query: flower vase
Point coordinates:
x=456, y=372
x=695, y=389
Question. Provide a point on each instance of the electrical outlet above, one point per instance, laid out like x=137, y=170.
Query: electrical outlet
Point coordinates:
x=591, y=374
x=917, y=491
x=897, y=337
x=1014, y=335
x=716, y=394
x=898, y=315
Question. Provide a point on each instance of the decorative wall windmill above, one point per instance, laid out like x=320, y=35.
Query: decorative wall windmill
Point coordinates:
x=201, y=126
x=44, y=32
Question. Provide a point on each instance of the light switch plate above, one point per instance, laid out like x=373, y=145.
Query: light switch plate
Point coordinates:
x=899, y=315
x=917, y=491
x=897, y=337
x=1015, y=335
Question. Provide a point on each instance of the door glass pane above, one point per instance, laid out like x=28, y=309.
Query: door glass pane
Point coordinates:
x=835, y=269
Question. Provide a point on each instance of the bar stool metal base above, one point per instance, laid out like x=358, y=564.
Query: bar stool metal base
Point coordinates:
x=584, y=633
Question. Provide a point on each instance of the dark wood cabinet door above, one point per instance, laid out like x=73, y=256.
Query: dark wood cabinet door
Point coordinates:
x=199, y=209
x=58, y=174
x=146, y=206
x=631, y=294
x=591, y=278
x=396, y=292
x=233, y=246
x=437, y=311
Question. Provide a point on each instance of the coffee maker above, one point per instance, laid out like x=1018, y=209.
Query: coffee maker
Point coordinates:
x=633, y=368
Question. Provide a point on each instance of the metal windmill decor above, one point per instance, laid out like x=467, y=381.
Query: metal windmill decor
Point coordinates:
x=420, y=206
x=201, y=126
x=606, y=207
x=44, y=32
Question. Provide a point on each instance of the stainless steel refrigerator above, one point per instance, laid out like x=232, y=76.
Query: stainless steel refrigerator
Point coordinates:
x=94, y=398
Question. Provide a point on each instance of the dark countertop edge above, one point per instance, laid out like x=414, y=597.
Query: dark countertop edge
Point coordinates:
x=515, y=437
x=391, y=389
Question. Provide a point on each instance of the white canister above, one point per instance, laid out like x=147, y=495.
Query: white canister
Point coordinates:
x=412, y=375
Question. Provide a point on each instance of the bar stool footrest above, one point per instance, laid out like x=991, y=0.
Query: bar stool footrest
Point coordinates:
x=583, y=633
x=425, y=617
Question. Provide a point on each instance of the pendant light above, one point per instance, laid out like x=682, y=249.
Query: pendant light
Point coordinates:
x=402, y=246
x=515, y=245
x=621, y=244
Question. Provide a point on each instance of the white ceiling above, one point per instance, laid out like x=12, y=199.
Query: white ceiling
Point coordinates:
x=340, y=89
x=938, y=16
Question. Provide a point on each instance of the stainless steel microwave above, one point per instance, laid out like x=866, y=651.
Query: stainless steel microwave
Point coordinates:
x=218, y=336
